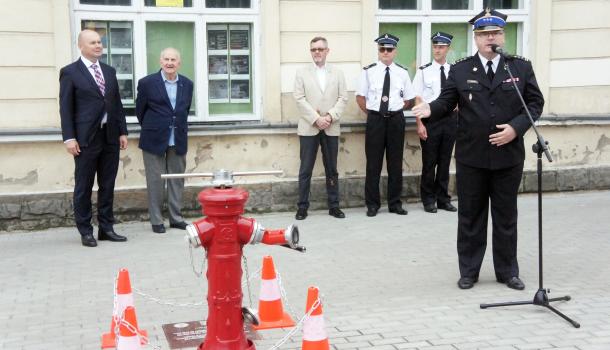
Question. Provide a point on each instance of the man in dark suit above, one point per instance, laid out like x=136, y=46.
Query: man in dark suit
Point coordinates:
x=162, y=107
x=489, y=147
x=93, y=129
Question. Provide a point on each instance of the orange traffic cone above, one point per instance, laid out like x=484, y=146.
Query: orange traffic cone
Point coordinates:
x=314, y=334
x=128, y=331
x=123, y=299
x=270, y=310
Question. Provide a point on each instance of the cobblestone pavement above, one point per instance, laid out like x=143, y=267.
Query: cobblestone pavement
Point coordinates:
x=388, y=282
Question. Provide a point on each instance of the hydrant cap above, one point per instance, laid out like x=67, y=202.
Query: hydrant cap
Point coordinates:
x=223, y=201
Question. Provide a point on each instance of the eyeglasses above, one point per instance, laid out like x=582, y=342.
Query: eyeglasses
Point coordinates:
x=386, y=49
x=492, y=34
x=318, y=49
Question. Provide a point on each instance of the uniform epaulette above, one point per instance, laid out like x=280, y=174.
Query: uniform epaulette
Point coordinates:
x=425, y=66
x=519, y=58
x=401, y=66
x=463, y=59
x=369, y=66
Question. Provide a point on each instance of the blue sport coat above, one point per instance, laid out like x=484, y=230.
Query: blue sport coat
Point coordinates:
x=156, y=115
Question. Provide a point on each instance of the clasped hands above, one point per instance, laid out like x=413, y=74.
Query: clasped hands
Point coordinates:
x=323, y=122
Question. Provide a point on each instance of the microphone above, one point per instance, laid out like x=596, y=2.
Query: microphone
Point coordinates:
x=498, y=49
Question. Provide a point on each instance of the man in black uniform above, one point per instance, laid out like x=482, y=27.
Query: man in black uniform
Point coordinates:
x=489, y=147
x=384, y=91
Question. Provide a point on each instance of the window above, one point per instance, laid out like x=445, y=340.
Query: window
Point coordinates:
x=215, y=39
x=415, y=25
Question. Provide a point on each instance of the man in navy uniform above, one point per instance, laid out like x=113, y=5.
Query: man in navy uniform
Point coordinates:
x=436, y=137
x=489, y=147
x=384, y=92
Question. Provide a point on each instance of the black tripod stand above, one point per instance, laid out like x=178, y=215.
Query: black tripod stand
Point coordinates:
x=541, y=298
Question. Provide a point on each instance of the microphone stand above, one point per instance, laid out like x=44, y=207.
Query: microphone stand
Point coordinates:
x=541, y=146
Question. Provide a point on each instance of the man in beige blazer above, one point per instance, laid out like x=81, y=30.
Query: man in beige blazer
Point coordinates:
x=321, y=96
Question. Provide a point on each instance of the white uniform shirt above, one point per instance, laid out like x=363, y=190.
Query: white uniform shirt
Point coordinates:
x=427, y=80
x=371, y=86
x=494, y=62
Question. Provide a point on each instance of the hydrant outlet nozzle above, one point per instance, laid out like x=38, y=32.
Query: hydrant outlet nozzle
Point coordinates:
x=193, y=236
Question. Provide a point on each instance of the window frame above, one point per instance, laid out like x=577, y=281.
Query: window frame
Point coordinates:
x=139, y=14
x=424, y=17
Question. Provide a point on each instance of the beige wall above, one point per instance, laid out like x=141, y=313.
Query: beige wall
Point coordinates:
x=579, y=77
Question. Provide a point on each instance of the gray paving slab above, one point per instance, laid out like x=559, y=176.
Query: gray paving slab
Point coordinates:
x=388, y=282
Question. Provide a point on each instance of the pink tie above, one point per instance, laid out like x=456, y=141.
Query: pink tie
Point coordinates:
x=99, y=79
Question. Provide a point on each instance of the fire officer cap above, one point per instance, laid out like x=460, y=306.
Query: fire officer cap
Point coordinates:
x=387, y=40
x=488, y=20
x=441, y=38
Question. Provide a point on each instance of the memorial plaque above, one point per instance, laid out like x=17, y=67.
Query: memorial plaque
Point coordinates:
x=184, y=335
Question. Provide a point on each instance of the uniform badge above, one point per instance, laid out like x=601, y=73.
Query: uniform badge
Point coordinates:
x=384, y=99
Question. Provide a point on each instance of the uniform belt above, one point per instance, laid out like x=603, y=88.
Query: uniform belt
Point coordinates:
x=387, y=114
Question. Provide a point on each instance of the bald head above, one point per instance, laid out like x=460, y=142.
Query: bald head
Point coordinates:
x=170, y=51
x=90, y=45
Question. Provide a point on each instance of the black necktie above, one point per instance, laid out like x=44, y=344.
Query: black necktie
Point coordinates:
x=490, y=71
x=385, y=98
x=443, y=78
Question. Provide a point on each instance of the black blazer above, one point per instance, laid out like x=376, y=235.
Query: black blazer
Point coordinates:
x=82, y=106
x=156, y=115
x=482, y=105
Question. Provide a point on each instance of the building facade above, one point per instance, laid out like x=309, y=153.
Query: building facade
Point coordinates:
x=242, y=56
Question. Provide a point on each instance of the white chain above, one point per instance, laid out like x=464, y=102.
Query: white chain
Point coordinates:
x=297, y=326
x=284, y=295
x=164, y=302
x=200, y=272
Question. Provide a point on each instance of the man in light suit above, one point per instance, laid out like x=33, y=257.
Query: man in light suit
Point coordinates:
x=321, y=96
x=162, y=107
x=93, y=128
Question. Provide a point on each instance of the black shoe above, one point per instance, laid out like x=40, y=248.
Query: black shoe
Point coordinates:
x=336, y=212
x=447, y=207
x=179, y=225
x=110, y=236
x=399, y=211
x=513, y=283
x=430, y=208
x=88, y=240
x=158, y=228
x=467, y=282
x=371, y=212
x=301, y=214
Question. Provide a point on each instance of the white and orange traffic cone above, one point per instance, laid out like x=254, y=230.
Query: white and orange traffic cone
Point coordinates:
x=270, y=310
x=123, y=298
x=314, y=333
x=129, y=339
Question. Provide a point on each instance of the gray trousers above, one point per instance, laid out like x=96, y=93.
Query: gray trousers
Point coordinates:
x=154, y=166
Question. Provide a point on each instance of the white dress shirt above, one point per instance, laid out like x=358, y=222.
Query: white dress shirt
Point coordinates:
x=321, y=75
x=371, y=86
x=427, y=80
x=494, y=62
x=89, y=66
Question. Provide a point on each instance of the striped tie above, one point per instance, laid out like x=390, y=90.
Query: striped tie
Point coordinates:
x=99, y=78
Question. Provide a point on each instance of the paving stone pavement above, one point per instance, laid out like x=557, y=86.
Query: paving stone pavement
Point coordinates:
x=388, y=282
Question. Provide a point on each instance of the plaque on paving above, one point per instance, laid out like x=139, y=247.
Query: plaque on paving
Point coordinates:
x=184, y=335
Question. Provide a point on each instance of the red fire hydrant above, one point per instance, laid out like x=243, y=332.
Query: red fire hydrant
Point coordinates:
x=223, y=233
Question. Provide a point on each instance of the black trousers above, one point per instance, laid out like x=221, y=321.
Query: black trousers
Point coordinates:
x=384, y=134
x=309, y=152
x=476, y=188
x=436, y=153
x=101, y=158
